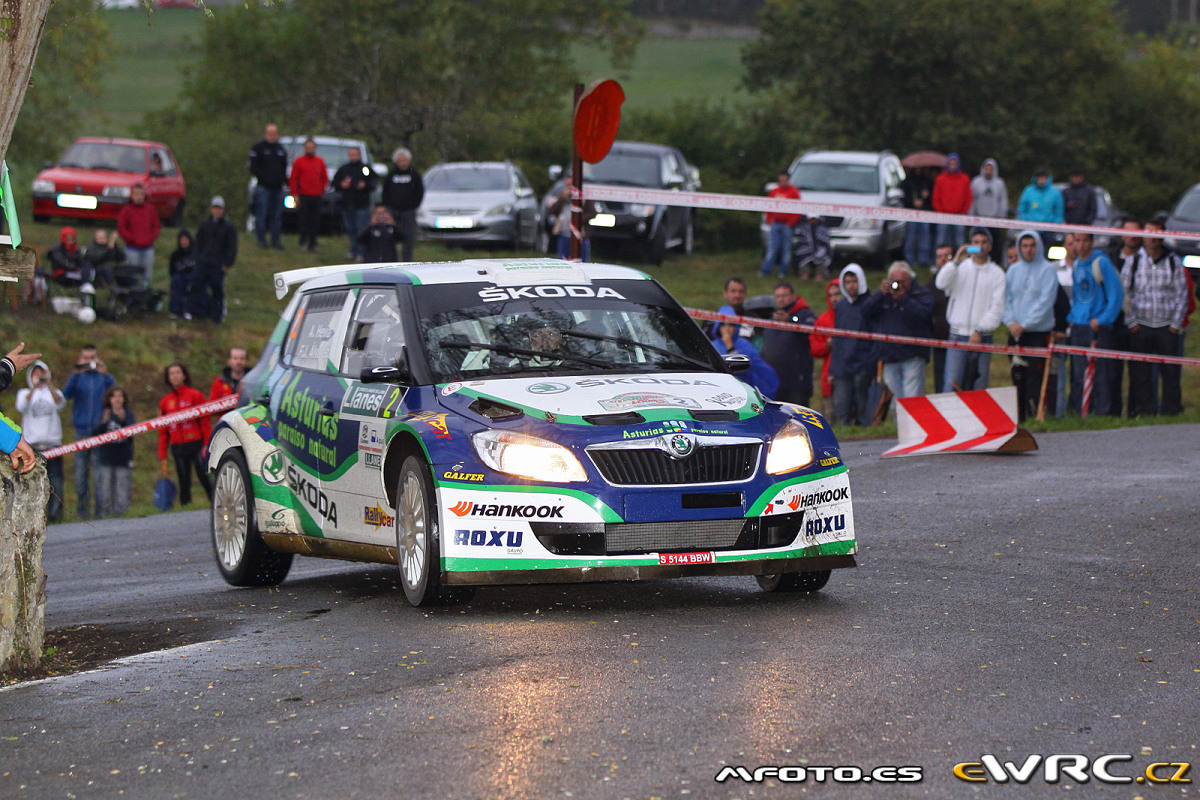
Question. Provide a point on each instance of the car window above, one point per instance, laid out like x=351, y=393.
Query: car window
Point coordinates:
x=163, y=163
x=522, y=181
x=626, y=168
x=105, y=156
x=467, y=179
x=475, y=331
x=376, y=331
x=317, y=331
x=893, y=175
x=817, y=176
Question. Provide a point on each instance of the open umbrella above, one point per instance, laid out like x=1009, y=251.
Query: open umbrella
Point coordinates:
x=924, y=158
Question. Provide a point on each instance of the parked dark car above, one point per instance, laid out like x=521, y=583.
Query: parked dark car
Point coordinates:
x=649, y=230
x=1185, y=217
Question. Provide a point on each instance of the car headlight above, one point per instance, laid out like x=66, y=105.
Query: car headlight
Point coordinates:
x=502, y=210
x=43, y=186
x=527, y=457
x=639, y=210
x=790, y=449
x=861, y=224
x=116, y=191
x=289, y=202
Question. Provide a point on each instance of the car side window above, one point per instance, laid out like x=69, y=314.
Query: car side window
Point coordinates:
x=317, y=331
x=161, y=161
x=376, y=331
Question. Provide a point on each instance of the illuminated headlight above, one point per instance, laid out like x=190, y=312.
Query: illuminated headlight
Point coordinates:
x=639, y=210
x=790, y=449
x=43, y=186
x=1056, y=253
x=116, y=191
x=502, y=210
x=860, y=224
x=604, y=221
x=289, y=202
x=527, y=457
x=1191, y=262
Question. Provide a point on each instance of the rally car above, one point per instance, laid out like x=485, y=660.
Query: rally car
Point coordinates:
x=513, y=422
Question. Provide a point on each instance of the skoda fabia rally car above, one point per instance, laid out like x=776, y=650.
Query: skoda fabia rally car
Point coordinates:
x=511, y=422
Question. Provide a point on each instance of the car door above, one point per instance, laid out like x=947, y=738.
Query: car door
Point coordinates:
x=375, y=339
x=305, y=408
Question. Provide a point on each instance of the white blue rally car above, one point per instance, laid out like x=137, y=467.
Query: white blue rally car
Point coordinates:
x=514, y=422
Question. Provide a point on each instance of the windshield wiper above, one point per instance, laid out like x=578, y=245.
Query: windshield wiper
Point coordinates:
x=625, y=340
x=552, y=355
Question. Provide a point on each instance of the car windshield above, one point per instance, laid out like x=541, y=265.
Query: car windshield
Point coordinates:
x=105, y=156
x=476, y=331
x=467, y=179
x=334, y=155
x=813, y=176
x=1188, y=209
x=625, y=168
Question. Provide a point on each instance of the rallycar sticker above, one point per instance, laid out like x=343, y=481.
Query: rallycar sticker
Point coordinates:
x=630, y=400
x=365, y=401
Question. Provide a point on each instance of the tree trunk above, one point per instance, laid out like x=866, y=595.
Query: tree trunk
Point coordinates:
x=21, y=24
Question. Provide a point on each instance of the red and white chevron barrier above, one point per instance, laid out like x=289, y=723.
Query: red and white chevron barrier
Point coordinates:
x=977, y=421
x=224, y=404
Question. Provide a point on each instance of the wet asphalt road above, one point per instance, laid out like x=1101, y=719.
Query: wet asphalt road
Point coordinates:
x=1006, y=605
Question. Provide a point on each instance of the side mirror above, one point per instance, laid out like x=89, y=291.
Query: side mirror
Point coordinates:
x=390, y=373
x=556, y=172
x=736, y=362
x=524, y=191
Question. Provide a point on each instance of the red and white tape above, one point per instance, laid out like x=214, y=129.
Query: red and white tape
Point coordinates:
x=741, y=202
x=1032, y=352
x=224, y=404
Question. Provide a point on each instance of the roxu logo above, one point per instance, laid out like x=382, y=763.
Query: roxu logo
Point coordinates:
x=488, y=538
x=815, y=527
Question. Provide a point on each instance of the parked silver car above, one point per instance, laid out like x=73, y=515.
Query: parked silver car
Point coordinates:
x=856, y=178
x=479, y=202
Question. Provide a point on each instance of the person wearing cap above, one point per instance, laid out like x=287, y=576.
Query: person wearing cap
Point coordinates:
x=975, y=286
x=216, y=250
x=1041, y=202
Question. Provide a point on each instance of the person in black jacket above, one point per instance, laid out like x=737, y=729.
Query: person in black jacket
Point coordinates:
x=788, y=352
x=378, y=240
x=268, y=165
x=1079, y=201
x=216, y=250
x=183, y=267
x=355, y=181
x=403, y=191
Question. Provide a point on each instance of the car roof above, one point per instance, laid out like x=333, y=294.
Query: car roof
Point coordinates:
x=131, y=142
x=498, y=271
x=845, y=156
x=640, y=147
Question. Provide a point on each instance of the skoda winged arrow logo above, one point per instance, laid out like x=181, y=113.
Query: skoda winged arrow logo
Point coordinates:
x=681, y=445
x=548, y=388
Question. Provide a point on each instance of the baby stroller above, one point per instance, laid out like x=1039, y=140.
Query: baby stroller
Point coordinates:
x=810, y=247
x=128, y=296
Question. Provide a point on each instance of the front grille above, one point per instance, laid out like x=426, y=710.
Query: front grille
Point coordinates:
x=653, y=467
x=665, y=537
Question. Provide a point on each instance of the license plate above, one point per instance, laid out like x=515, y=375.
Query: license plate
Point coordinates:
x=83, y=201
x=453, y=222
x=678, y=559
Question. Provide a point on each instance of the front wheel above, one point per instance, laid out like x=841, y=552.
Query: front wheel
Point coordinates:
x=418, y=550
x=242, y=556
x=794, y=581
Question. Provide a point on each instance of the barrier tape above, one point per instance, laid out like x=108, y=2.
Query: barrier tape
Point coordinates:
x=779, y=205
x=201, y=410
x=1012, y=350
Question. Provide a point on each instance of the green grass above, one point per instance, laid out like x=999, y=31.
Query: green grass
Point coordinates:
x=664, y=71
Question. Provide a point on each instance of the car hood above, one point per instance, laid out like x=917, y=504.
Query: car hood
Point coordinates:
x=463, y=202
x=576, y=396
x=85, y=177
x=842, y=198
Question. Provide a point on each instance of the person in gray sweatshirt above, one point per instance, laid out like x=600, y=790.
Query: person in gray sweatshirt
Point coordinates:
x=989, y=198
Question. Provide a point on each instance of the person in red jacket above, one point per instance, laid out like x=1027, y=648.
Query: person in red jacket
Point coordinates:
x=309, y=177
x=189, y=439
x=230, y=379
x=138, y=226
x=818, y=345
x=952, y=195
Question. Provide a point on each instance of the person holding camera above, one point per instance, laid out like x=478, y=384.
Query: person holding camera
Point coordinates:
x=85, y=389
x=39, y=406
x=975, y=286
x=901, y=307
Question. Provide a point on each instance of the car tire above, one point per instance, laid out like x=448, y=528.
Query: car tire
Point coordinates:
x=242, y=556
x=656, y=248
x=689, y=235
x=418, y=546
x=794, y=581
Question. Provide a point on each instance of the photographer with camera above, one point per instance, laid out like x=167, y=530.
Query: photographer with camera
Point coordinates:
x=42, y=428
x=976, y=287
x=85, y=389
x=901, y=307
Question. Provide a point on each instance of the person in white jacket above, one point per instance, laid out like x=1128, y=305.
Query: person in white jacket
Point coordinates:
x=975, y=286
x=39, y=406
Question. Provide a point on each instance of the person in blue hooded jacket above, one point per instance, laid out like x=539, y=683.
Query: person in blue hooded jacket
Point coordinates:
x=852, y=362
x=760, y=375
x=1096, y=299
x=1031, y=286
x=1041, y=202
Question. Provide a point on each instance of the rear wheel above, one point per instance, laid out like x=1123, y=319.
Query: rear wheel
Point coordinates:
x=242, y=556
x=794, y=581
x=418, y=550
x=689, y=234
x=656, y=248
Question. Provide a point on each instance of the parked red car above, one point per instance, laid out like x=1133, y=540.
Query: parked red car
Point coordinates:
x=93, y=178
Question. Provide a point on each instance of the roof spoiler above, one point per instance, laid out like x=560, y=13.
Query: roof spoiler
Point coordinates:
x=285, y=280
